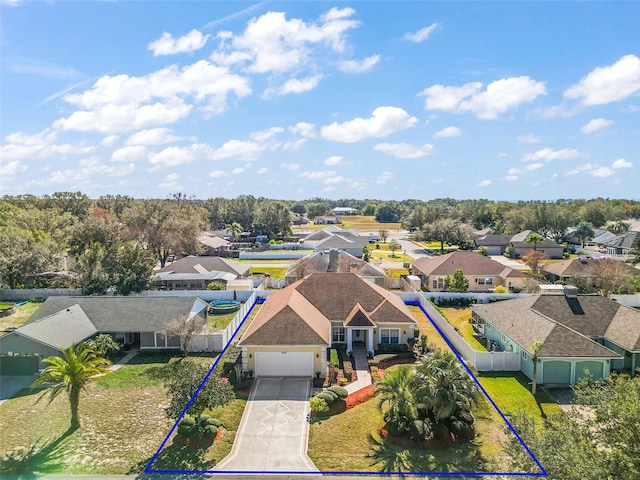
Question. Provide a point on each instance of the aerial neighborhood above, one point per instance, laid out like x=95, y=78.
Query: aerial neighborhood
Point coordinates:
x=362, y=321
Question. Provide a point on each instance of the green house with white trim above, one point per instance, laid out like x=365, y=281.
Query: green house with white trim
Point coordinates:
x=577, y=333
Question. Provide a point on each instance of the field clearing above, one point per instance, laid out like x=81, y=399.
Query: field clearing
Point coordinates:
x=16, y=320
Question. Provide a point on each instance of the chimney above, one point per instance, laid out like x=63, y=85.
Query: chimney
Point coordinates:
x=570, y=291
x=353, y=267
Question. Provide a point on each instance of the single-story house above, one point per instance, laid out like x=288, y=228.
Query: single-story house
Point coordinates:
x=64, y=321
x=345, y=211
x=521, y=247
x=495, y=244
x=622, y=243
x=213, y=244
x=577, y=333
x=484, y=274
x=196, y=272
x=352, y=243
x=295, y=326
x=334, y=261
x=327, y=220
x=585, y=267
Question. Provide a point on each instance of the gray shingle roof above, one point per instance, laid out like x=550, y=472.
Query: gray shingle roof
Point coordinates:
x=204, y=263
x=471, y=263
x=124, y=314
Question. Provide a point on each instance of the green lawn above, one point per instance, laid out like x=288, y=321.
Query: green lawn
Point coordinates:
x=459, y=318
x=274, y=272
x=217, y=323
x=22, y=314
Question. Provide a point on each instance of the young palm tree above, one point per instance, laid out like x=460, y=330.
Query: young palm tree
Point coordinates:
x=71, y=373
x=534, y=238
x=396, y=390
x=535, y=350
x=235, y=229
x=443, y=386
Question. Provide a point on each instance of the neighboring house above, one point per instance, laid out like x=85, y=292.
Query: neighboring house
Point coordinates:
x=577, y=332
x=334, y=261
x=495, y=244
x=213, y=244
x=327, y=220
x=291, y=332
x=483, y=273
x=352, y=243
x=521, y=247
x=64, y=321
x=585, y=267
x=345, y=211
x=196, y=272
x=621, y=244
x=298, y=219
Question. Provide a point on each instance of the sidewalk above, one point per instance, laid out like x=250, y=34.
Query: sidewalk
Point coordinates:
x=362, y=371
x=124, y=360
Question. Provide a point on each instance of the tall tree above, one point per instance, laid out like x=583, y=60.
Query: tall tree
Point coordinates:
x=534, y=238
x=71, y=373
x=535, y=350
x=185, y=328
x=457, y=283
x=396, y=393
x=534, y=260
x=584, y=231
x=23, y=255
x=235, y=229
x=445, y=230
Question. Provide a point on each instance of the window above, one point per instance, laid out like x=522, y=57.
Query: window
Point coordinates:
x=485, y=281
x=337, y=335
x=389, y=335
x=524, y=355
x=438, y=283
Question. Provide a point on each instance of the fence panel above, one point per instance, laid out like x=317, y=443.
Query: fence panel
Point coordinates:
x=206, y=342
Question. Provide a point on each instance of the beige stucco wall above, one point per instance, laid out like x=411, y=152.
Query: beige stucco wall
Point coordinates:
x=406, y=331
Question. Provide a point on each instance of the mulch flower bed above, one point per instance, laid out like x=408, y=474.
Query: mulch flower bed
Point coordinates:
x=361, y=396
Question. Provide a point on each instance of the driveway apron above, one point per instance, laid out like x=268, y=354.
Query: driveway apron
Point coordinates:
x=273, y=433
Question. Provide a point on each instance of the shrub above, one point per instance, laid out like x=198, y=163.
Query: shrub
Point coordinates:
x=392, y=347
x=327, y=397
x=318, y=405
x=440, y=431
x=347, y=368
x=186, y=425
x=341, y=392
x=332, y=393
x=419, y=430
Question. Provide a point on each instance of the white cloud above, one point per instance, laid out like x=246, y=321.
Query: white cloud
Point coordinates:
x=11, y=168
x=131, y=153
x=422, y=34
x=172, y=156
x=91, y=173
x=621, y=163
x=39, y=146
x=484, y=183
x=237, y=171
x=530, y=138
x=405, y=150
x=293, y=145
x=447, y=132
x=333, y=160
x=272, y=44
x=290, y=166
x=333, y=180
x=294, y=85
x=515, y=172
x=383, y=122
x=602, y=172
x=595, y=125
x=317, y=175
x=262, y=170
x=238, y=149
x=499, y=96
x=353, y=66
x=122, y=103
x=265, y=135
x=152, y=136
x=384, y=177
x=547, y=154
x=217, y=173
x=608, y=84
x=171, y=182
x=109, y=141
x=167, y=45
x=304, y=129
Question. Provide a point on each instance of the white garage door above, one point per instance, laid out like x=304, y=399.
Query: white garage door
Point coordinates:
x=290, y=364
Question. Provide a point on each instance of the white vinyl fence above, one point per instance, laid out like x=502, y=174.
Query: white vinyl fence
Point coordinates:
x=481, y=361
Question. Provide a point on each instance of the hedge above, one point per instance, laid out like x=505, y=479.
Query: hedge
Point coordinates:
x=341, y=392
x=392, y=347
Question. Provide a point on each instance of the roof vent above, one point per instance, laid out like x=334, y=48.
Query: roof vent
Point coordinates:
x=570, y=291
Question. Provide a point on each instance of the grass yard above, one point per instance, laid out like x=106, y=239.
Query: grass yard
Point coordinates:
x=368, y=223
x=22, y=314
x=217, y=323
x=123, y=424
x=426, y=328
x=274, y=272
x=459, y=318
x=396, y=272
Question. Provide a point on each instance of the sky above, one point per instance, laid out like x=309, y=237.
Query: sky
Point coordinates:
x=293, y=100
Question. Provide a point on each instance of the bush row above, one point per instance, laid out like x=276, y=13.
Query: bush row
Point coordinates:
x=392, y=347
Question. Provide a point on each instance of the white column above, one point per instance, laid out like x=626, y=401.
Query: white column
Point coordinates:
x=370, y=339
x=349, y=339
x=573, y=373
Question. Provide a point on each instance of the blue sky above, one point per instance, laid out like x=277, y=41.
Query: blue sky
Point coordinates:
x=291, y=100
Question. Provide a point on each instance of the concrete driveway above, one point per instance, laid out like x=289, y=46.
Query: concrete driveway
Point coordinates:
x=273, y=433
x=10, y=385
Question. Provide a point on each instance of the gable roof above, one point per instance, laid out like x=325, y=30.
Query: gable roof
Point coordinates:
x=333, y=261
x=519, y=241
x=124, y=314
x=344, y=239
x=61, y=329
x=493, y=240
x=584, y=267
x=471, y=263
x=565, y=325
x=205, y=264
x=213, y=241
x=301, y=313
x=623, y=240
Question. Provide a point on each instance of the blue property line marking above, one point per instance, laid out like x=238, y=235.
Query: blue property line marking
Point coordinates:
x=148, y=468
x=542, y=473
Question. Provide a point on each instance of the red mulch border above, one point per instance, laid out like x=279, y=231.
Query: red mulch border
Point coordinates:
x=361, y=396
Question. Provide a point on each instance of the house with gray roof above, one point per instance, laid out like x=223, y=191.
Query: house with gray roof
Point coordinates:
x=621, y=244
x=577, y=333
x=195, y=272
x=521, y=247
x=337, y=261
x=138, y=321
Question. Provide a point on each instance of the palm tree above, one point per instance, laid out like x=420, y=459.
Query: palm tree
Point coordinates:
x=535, y=350
x=396, y=390
x=71, y=373
x=235, y=229
x=443, y=386
x=534, y=238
